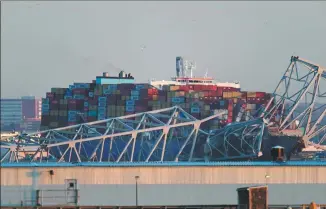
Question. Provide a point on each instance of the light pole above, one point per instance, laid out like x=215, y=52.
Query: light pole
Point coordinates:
x=266, y=178
x=136, y=178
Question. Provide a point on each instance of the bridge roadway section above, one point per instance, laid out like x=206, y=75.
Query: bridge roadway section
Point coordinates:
x=158, y=184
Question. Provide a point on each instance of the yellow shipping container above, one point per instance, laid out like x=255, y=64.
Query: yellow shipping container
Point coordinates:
x=179, y=94
x=236, y=94
x=251, y=94
x=155, y=97
x=227, y=95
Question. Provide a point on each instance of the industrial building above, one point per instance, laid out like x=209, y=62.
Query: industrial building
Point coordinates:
x=159, y=184
x=31, y=107
x=21, y=114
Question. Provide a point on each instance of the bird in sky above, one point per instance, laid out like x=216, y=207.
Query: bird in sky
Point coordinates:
x=143, y=47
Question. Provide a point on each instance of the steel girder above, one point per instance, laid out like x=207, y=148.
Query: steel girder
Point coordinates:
x=164, y=135
x=305, y=107
x=236, y=141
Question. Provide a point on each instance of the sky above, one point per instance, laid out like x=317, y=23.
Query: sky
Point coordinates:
x=53, y=44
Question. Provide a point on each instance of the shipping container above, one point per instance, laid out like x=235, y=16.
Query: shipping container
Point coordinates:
x=253, y=197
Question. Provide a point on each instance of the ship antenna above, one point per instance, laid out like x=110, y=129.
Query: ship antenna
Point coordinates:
x=206, y=74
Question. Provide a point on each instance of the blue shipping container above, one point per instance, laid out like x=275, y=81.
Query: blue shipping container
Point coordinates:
x=101, y=109
x=45, y=111
x=107, y=91
x=195, y=104
x=102, y=99
x=85, y=104
x=79, y=96
x=92, y=113
x=82, y=85
x=130, y=102
x=71, y=119
x=134, y=93
x=102, y=104
x=45, y=101
x=72, y=87
x=140, y=86
x=68, y=97
x=222, y=103
x=130, y=108
x=46, y=106
x=101, y=115
x=100, y=118
x=112, y=87
x=178, y=99
x=195, y=110
x=134, y=98
x=72, y=112
x=90, y=94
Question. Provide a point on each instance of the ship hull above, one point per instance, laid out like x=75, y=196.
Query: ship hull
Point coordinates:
x=291, y=144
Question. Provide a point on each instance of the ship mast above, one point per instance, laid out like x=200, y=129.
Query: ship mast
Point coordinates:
x=184, y=68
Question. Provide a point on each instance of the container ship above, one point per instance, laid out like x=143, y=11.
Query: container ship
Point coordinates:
x=113, y=96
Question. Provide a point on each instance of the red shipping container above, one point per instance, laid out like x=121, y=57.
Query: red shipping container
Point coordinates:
x=50, y=95
x=79, y=91
x=54, y=102
x=206, y=93
x=197, y=87
x=219, y=92
x=203, y=87
x=71, y=123
x=92, y=102
x=212, y=88
x=260, y=94
x=71, y=101
x=184, y=88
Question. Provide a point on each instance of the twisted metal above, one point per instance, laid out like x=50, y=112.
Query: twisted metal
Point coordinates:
x=298, y=102
x=164, y=135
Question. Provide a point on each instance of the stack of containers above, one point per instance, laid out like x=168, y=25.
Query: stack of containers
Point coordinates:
x=63, y=106
x=102, y=104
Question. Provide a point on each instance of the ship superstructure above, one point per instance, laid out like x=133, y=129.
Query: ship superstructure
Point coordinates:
x=184, y=76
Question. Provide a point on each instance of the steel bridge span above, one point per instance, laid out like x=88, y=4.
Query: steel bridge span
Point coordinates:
x=169, y=134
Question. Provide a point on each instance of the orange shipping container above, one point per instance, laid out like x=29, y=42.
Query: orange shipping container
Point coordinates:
x=174, y=88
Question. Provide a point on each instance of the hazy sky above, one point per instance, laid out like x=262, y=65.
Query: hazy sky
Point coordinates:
x=53, y=44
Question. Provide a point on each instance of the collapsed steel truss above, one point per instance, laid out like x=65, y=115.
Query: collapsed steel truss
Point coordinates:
x=283, y=108
x=169, y=134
